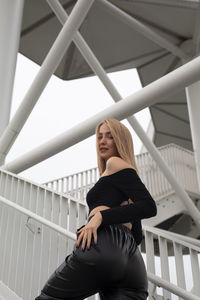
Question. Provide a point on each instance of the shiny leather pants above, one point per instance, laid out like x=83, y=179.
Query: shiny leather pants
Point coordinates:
x=113, y=267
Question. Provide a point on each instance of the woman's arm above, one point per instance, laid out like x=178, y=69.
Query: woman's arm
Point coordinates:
x=128, y=182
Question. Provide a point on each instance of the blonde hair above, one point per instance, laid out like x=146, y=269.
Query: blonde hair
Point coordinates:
x=123, y=141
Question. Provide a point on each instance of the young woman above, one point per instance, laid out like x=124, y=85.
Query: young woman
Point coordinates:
x=105, y=258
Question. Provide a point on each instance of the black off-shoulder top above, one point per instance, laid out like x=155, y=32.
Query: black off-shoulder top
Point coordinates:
x=112, y=190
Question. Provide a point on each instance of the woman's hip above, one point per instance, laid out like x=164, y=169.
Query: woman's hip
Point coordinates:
x=115, y=245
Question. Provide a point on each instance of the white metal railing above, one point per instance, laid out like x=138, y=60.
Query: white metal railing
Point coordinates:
x=76, y=184
x=180, y=160
x=173, y=268
x=28, y=252
x=151, y=234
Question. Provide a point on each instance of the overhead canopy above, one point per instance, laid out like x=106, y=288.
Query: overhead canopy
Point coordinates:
x=118, y=46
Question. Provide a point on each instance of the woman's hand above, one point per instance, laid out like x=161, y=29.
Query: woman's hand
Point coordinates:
x=89, y=229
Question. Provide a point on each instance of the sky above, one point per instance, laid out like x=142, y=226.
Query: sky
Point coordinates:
x=63, y=105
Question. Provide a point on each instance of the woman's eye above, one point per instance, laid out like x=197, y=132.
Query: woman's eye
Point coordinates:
x=109, y=136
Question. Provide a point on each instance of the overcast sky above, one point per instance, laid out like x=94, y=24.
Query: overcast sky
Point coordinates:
x=63, y=105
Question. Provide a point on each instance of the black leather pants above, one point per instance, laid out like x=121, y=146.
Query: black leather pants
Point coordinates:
x=113, y=267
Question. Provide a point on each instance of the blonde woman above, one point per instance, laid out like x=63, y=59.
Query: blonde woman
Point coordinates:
x=105, y=258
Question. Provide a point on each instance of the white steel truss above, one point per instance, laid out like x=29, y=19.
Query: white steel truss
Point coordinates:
x=157, y=90
x=33, y=156
x=10, y=26
x=48, y=67
x=170, y=84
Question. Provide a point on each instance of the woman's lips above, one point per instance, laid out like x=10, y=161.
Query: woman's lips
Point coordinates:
x=103, y=149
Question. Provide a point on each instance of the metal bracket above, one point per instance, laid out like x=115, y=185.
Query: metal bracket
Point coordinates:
x=31, y=227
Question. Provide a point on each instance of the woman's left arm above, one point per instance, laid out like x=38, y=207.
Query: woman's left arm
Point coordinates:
x=143, y=206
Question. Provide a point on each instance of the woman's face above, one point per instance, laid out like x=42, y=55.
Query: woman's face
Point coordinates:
x=106, y=144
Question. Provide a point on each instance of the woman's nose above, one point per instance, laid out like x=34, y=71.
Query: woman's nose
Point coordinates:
x=103, y=139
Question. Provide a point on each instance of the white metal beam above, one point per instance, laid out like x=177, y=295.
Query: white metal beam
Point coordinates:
x=171, y=287
x=172, y=3
x=166, y=86
x=98, y=69
x=156, y=91
x=84, y=49
x=144, y=30
x=10, y=25
x=193, y=102
x=47, y=69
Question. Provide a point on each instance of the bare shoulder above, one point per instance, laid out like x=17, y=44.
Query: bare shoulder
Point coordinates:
x=115, y=164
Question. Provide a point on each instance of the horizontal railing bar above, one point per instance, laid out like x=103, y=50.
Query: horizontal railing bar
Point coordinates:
x=149, y=172
x=151, y=277
x=184, y=238
x=71, y=175
x=72, y=236
x=137, y=157
x=39, y=185
x=171, y=238
x=171, y=287
x=39, y=219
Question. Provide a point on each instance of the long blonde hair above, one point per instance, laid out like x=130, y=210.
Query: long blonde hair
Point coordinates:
x=123, y=141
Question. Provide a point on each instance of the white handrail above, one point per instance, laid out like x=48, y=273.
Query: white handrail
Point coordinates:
x=172, y=236
x=39, y=219
x=171, y=287
x=168, y=235
x=180, y=160
x=151, y=277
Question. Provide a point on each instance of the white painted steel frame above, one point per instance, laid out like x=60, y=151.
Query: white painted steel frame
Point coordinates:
x=191, y=209
x=193, y=103
x=48, y=67
x=168, y=85
x=132, y=120
x=10, y=26
x=173, y=3
x=188, y=297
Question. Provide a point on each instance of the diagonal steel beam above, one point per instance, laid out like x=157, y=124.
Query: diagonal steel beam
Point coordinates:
x=48, y=67
x=11, y=14
x=172, y=3
x=144, y=30
x=193, y=104
x=167, y=85
x=158, y=90
x=97, y=68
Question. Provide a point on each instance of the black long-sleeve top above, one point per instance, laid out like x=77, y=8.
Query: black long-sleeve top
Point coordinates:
x=112, y=190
